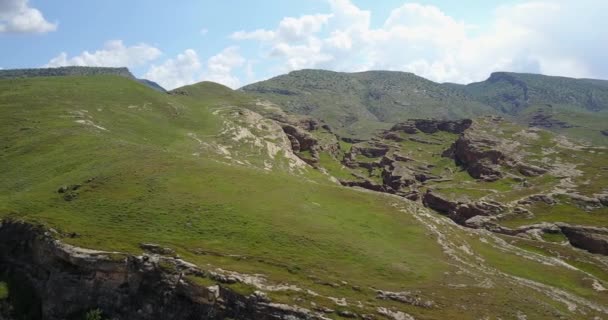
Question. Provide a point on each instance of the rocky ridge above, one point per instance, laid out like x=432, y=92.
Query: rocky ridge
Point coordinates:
x=123, y=286
x=402, y=161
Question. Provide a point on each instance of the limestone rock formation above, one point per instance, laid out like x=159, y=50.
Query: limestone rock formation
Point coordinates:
x=592, y=239
x=478, y=155
x=66, y=282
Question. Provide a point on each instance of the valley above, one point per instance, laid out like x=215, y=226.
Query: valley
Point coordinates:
x=314, y=195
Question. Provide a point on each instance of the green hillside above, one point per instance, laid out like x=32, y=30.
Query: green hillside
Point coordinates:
x=109, y=164
x=357, y=104
x=577, y=107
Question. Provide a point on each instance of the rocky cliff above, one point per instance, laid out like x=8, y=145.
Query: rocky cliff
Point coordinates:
x=65, y=282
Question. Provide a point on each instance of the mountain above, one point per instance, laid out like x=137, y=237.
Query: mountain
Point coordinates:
x=152, y=85
x=121, y=202
x=577, y=107
x=75, y=71
x=357, y=104
x=512, y=93
x=64, y=71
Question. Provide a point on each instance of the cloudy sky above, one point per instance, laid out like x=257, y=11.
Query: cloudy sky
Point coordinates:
x=236, y=42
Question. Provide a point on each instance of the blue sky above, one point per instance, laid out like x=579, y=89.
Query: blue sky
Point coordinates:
x=238, y=42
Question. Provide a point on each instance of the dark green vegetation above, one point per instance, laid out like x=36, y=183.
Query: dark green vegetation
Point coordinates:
x=357, y=104
x=578, y=107
x=110, y=164
x=3, y=290
x=76, y=71
x=64, y=71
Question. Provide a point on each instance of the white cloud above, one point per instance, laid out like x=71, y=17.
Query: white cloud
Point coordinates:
x=186, y=68
x=177, y=72
x=555, y=37
x=113, y=54
x=220, y=67
x=16, y=16
x=204, y=31
x=259, y=34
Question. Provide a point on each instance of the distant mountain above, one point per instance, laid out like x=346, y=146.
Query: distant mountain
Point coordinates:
x=512, y=93
x=121, y=202
x=64, y=71
x=578, y=107
x=76, y=71
x=152, y=85
x=356, y=104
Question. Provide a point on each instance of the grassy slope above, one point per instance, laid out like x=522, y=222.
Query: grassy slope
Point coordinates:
x=357, y=104
x=148, y=187
x=579, y=102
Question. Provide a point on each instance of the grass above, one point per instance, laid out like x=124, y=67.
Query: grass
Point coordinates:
x=3, y=291
x=358, y=104
x=562, y=212
x=147, y=187
x=141, y=183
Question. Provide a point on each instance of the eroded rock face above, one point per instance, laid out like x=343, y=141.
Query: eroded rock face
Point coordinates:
x=68, y=281
x=592, y=239
x=546, y=120
x=461, y=212
x=432, y=126
x=438, y=203
x=478, y=155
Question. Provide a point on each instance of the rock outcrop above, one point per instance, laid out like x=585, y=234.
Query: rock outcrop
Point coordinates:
x=542, y=119
x=65, y=282
x=459, y=211
x=431, y=126
x=592, y=239
x=478, y=155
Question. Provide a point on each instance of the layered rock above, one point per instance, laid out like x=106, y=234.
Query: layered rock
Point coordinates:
x=544, y=120
x=478, y=155
x=431, y=126
x=66, y=282
x=461, y=212
x=592, y=239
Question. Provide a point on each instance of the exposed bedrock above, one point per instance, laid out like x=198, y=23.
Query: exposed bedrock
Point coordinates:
x=458, y=211
x=478, y=155
x=66, y=282
x=432, y=126
x=592, y=239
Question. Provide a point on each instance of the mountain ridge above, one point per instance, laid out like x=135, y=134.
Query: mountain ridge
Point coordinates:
x=210, y=199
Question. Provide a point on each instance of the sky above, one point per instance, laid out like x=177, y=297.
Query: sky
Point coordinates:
x=237, y=42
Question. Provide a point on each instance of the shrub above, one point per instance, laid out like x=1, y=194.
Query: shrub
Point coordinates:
x=93, y=315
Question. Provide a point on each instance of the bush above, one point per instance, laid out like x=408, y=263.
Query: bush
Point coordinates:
x=93, y=315
x=3, y=291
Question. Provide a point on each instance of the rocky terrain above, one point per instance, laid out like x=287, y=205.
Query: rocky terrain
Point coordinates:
x=376, y=100
x=123, y=202
x=506, y=163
